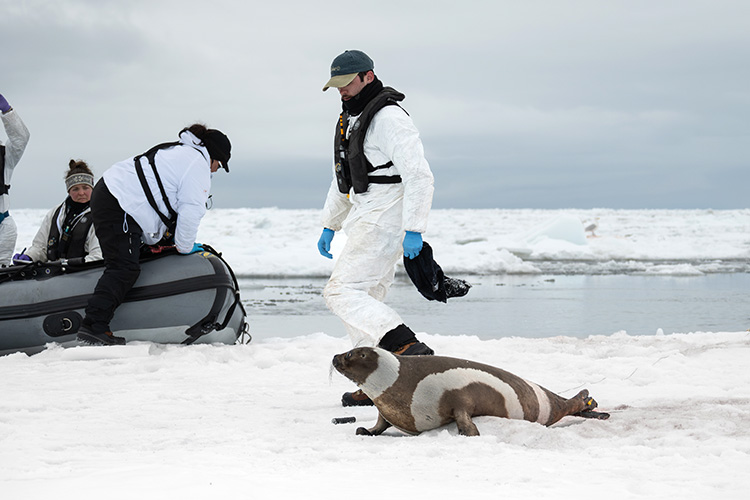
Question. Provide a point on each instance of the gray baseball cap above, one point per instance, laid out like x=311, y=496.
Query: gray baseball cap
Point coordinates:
x=346, y=66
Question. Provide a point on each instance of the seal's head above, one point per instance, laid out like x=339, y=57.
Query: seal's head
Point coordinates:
x=373, y=369
x=357, y=364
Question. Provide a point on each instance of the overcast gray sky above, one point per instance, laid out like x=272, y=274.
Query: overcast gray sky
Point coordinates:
x=520, y=104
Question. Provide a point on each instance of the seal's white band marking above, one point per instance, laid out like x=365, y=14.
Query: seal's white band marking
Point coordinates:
x=544, y=406
x=426, y=400
x=384, y=376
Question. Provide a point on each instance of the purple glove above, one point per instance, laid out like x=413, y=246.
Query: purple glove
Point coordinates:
x=4, y=106
x=21, y=258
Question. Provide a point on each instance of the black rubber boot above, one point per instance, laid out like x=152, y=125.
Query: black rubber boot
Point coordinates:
x=356, y=398
x=106, y=338
x=415, y=349
x=402, y=341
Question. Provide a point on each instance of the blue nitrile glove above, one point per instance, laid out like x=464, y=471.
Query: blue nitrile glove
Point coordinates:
x=197, y=247
x=21, y=258
x=412, y=244
x=324, y=243
x=4, y=106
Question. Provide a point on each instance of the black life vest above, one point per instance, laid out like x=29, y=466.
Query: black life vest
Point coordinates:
x=170, y=218
x=71, y=244
x=353, y=169
x=3, y=186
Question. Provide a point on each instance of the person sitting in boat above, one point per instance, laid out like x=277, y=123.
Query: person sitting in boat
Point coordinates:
x=67, y=231
x=162, y=192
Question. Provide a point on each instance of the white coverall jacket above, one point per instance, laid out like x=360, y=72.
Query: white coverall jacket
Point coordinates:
x=375, y=223
x=38, y=249
x=18, y=137
x=185, y=173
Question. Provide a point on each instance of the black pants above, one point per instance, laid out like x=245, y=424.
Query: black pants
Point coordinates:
x=120, y=239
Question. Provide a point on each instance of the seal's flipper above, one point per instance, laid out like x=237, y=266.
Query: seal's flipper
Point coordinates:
x=590, y=405
x=380, y=426
x=465, y=425
x=600, y=415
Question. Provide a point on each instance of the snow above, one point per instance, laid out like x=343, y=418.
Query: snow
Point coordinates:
x=283, y=242
x=254, y=421
x=151, y=421
x=280, y=242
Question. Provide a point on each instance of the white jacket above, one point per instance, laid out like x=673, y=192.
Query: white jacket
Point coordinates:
x=391, y=136
x=185, y=172
x=38, y=249
x=18, y=137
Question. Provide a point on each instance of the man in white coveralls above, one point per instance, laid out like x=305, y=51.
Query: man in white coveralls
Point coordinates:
x=381, y=195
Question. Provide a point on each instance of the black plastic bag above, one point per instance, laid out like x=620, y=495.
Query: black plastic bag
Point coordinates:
x=428, y=277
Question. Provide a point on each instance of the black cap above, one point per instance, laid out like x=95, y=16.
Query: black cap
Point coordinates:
x=218, y=146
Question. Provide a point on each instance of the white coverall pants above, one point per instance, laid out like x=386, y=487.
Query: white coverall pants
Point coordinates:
x=366, y=266
x=8, y=236
x=18, y=137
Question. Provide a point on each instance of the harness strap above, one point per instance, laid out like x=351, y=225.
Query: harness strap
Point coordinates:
x=3, y=216
x=4, y=188
x=169, y=219
x=384, y=179
x=370, y=168
x=210, y=322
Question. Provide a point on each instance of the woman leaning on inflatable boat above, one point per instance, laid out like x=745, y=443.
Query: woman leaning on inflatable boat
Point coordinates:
x=160, y=192
x=67, y=231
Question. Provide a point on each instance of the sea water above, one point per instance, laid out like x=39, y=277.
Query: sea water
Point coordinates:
x=522, y=305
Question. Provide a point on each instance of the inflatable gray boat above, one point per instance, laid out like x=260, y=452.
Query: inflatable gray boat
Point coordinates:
x=178, y=299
